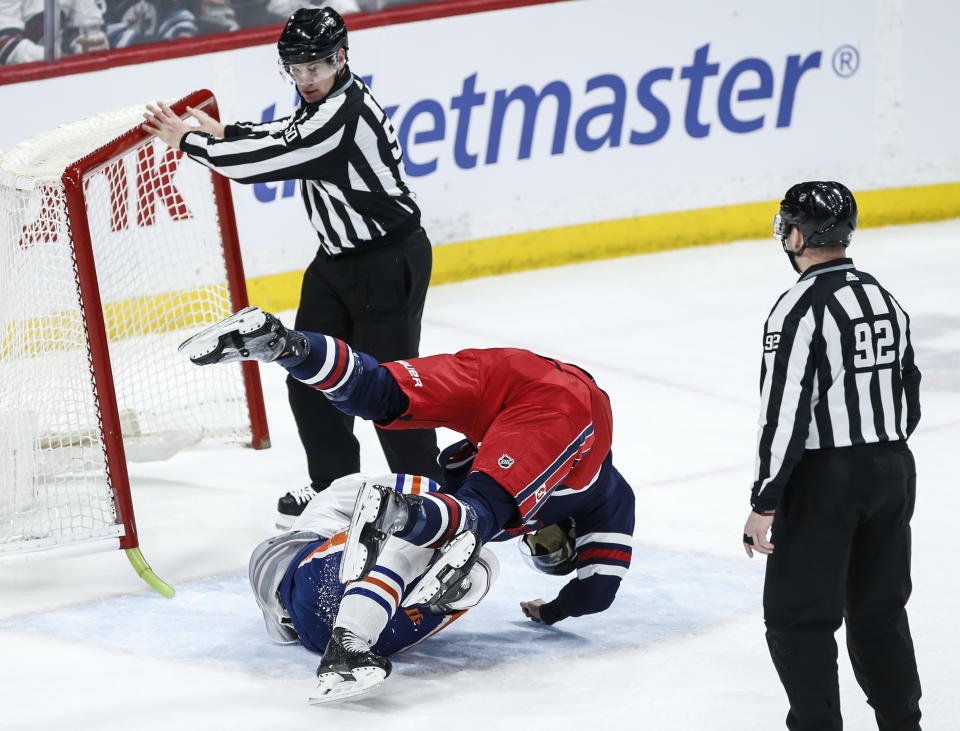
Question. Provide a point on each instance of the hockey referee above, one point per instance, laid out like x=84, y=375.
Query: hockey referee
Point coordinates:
x=835, y=478
x=368, y=282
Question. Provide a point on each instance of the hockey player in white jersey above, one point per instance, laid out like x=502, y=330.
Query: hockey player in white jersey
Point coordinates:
x=356, y=625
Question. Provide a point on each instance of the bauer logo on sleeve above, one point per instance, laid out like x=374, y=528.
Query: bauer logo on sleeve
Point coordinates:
x=413, y=373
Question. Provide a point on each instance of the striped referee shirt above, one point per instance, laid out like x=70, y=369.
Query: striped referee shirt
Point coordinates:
x=345, y=153
x=838, y=370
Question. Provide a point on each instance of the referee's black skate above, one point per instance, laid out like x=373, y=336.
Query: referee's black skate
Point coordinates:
x=348, y=668
x=250, y=334
x=292, y=505
x=379, y=512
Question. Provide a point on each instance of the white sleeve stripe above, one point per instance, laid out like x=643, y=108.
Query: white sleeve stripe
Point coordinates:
x=623, y=539
x=902, y=325
x=790, y=397
x=217, y=148
x=571, y=491
x=585, y=572
x=346, y=374
x=786, y=304
x=287, y=158
x=327, y=366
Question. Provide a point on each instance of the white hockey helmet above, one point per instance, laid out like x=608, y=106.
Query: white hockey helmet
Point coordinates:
x=268, y=564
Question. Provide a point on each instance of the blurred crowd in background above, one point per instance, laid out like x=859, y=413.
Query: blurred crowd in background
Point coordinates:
x=97, y=25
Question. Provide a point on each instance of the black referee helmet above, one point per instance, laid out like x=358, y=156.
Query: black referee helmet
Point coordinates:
x=824, y=211
x=312, y=34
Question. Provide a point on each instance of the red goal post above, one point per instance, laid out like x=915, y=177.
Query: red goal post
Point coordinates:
x=111, y=253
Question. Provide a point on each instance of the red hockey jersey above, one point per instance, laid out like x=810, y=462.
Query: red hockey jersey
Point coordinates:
x=538, y=423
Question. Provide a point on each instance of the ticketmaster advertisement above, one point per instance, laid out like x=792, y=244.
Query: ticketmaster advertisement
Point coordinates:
x=583, y=111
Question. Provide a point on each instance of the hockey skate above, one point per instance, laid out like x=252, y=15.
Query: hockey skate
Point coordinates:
x=348, y=668
x=292, y=504
x=448, y=579
x=250, y=334
x=378, y=513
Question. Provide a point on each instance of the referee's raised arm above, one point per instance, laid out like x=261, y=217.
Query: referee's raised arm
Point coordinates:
x=367, y=284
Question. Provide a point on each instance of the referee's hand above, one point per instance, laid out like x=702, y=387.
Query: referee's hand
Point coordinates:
x=161, y=120
x=755, y=534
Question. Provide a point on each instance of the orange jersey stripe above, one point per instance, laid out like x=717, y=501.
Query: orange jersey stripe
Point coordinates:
x=337, y=540
x=385, y=586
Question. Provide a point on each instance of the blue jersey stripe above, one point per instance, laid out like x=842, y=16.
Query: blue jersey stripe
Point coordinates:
x=371, y=595
x=390, y=575
x=544, y=476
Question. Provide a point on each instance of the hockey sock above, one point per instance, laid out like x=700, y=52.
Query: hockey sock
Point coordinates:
x=482, y=504
x=437, y=519
x=368, y=605
x=353, y=381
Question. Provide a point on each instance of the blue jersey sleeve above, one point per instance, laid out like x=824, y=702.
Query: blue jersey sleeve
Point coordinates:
x=604, y=549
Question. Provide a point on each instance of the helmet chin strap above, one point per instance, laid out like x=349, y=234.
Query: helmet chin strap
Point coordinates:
x=793, y=260
x=792, y=255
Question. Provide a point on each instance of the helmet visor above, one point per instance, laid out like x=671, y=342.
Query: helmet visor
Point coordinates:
x=781, y=230
x=548, y=550
x=311, y=71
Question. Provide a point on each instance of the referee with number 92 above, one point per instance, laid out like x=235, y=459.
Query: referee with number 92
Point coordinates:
x=835, y=481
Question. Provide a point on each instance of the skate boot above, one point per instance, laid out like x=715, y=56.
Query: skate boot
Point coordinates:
x=292, y=504
x=448, y=579
x=250, y=334
x=348, y=668
x=379, y=512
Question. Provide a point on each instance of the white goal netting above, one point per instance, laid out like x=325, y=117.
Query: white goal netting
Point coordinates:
x=160, y=271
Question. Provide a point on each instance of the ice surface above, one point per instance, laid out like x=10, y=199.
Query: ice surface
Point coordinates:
x=674, y=338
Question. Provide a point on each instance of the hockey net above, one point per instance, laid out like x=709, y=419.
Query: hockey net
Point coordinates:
x=111, y=253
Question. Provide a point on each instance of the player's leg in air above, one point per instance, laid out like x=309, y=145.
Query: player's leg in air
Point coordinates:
x=357, y=385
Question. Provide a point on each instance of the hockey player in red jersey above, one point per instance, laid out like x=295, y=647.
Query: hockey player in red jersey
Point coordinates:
x=537, y=453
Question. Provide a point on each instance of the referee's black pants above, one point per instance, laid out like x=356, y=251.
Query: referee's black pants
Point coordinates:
x=374, y=301
x=842, y=552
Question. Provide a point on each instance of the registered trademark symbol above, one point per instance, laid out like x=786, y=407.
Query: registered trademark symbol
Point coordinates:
x=846, y=61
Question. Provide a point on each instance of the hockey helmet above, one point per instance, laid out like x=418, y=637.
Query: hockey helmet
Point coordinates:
x=268, y=565
x=312, y=34
x=824, y=211
x=553, y=548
